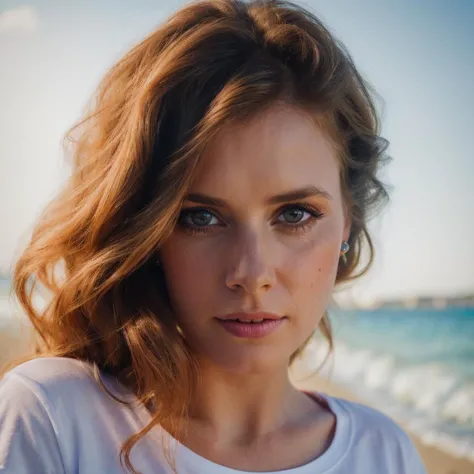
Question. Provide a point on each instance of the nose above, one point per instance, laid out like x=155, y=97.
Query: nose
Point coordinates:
x=252, y=266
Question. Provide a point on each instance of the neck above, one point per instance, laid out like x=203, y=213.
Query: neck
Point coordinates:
x=241, y=409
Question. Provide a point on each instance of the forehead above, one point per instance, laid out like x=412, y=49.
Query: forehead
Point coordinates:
x=280, y=149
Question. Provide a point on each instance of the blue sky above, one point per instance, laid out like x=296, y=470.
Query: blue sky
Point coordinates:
x=418, y=54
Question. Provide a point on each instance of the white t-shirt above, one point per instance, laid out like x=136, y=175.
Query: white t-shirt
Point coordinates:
x=55, y=418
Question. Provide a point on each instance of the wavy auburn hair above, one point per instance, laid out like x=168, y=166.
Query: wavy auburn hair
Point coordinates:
x=214, y=62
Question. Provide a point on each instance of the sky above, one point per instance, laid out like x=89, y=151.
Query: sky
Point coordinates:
x=419, y=56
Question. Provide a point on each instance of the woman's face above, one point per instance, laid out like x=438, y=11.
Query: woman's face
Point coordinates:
x=256, y=235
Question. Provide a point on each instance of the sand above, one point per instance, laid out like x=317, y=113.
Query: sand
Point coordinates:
x=12, y=346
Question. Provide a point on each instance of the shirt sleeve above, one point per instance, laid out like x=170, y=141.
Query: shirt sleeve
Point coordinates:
x=415, y=463
x=28, y=440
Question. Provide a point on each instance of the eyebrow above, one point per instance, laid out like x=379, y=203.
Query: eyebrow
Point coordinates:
x=294, y=195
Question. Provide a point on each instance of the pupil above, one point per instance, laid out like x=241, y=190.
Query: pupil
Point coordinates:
x=294, y=215
x=201, y=218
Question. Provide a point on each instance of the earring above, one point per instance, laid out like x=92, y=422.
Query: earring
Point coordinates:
x=344, y=249
x=158, y=263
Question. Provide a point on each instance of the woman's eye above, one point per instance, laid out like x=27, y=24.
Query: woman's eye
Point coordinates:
x=292, y=218
x=198, y=218
x=295, y=215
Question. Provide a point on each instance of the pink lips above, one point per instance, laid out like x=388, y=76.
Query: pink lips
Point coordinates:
x=270, y=323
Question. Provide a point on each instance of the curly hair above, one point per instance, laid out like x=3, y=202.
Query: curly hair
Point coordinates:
x=94, y=247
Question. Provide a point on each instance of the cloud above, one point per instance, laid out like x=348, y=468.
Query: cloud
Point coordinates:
x=23, y=19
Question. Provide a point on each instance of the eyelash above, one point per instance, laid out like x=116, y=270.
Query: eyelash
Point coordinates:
x=315, y=215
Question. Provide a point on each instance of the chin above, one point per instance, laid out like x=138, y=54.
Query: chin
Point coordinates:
x=248, y=359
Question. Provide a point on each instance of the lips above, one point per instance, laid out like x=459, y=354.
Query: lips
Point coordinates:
x=251, y=325
x=253, y=321
x=250, y=317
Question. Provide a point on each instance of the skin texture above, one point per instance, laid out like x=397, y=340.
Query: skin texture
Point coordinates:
x=254, y=255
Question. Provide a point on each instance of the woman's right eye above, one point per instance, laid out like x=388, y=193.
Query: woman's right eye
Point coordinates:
x=198, y=219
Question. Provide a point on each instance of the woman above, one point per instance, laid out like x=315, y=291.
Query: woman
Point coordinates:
x=220, y=190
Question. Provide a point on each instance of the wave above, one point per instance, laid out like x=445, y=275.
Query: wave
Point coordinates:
x=432, y=401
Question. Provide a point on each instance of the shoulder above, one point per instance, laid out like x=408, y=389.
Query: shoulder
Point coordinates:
x=32, y=397
x=368, y=418
x=53, y=410
x=49, y=378
x=370, y=424
x=51, y=370
x=52, y=385
x=376, y=433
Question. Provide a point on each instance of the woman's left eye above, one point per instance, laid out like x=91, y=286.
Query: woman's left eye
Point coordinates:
x=298, y=216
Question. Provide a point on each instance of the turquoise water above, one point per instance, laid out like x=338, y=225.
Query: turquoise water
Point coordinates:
x=417, y=365
x=414, y=337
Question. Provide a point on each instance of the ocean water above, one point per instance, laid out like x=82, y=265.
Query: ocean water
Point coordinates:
x=416, y=365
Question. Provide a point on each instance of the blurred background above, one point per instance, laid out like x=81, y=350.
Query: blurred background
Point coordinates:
x=405, y=332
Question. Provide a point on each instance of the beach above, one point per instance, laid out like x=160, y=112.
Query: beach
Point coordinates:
x=15, y=342
x=435, y=460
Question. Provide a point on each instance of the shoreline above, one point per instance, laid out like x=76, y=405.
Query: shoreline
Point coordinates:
x=435, y=459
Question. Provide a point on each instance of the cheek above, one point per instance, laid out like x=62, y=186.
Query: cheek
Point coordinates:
x=323, y=272
x=189, y=277
x=313, y=273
